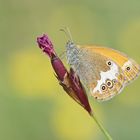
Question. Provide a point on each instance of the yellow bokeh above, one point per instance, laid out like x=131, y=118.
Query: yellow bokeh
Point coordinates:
x=72, y=122
x=31, y=73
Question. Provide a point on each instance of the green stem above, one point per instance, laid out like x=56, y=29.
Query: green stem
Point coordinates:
x=101, y=127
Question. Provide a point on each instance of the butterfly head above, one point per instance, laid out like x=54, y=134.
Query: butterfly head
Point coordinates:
x=70, y=45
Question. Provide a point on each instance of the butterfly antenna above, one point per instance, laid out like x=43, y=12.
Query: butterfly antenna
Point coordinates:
x=62, y=55
x=67, y=33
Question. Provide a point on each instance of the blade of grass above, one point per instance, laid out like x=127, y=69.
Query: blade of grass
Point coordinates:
x=107, y=135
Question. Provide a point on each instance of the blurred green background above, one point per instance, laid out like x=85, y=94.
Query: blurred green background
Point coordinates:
x=32, y=104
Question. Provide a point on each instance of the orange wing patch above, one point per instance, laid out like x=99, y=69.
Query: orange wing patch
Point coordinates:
x=112, y=54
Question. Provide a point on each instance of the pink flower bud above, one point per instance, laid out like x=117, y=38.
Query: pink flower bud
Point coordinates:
x=45, y=44
x=69, y=81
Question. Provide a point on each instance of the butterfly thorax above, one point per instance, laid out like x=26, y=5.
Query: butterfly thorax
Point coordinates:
x=72, y=53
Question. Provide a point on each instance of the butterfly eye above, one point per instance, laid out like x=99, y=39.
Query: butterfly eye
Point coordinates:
x=103, y=87
x=128, y=68
x=109, y=83
x=109, y=63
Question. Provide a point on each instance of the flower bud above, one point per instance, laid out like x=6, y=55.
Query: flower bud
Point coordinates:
x=68, y=80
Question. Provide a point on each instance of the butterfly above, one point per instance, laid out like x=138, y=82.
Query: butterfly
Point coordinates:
x=104, y=71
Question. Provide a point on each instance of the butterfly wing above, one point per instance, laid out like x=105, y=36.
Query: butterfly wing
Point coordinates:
x=102, y=75
x=129, y=67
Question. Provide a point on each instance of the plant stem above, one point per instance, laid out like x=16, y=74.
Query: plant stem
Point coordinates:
x=101, y=127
